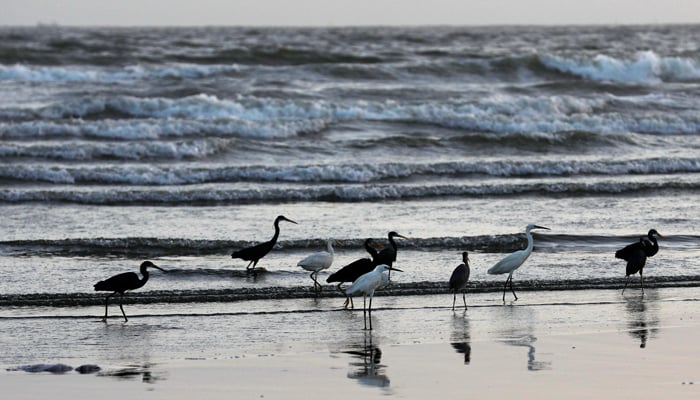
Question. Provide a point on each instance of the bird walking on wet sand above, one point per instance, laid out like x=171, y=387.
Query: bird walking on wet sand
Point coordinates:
x=123, y=282
x=366, y=285
x=317, y=262
x=354, y=270
x=388, y=254
x=255, y=253
x=514, y=260
x=459, y=280
x=636, y=256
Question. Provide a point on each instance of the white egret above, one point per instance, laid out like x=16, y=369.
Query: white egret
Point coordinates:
x=317, y=262
x=513, y=261
x=459, y=279
x=636, y=256
x=366, y=285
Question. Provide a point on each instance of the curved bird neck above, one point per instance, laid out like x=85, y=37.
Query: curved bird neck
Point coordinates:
x=530, y=241
x=371, y=250
x=144, y=279
x=329, y=246
x=392, y=243
x=277, y=231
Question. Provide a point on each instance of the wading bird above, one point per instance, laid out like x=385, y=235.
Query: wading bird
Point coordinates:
x=459, y=280
x=255, y=253
x=123, y=282
x=366, y=285
x=388, y=254
x=513, y=261
x=354, y=270
x=636, y=256
x=317, y=262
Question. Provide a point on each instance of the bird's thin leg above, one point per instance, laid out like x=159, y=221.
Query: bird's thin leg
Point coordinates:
x=626, y=282
x=364, y=310
x=505, y=287
x=370, y=312
x=464, y=298
x=511, y=287
x=454, y=298
x=352, y=304
x=247, y=267
x=347, y=298
x=314, y=279
x=121, y=297
x=106, y=303
x=641, y=276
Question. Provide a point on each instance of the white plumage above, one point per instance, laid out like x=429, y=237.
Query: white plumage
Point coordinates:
x=317, y=262
x=366, y=284
x=515, y=260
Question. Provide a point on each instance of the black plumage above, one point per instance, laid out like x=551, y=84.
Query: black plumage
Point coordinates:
x=255, y=253
x=354, y=270
x=459, y=280
x=123, y=282
x=636, y=256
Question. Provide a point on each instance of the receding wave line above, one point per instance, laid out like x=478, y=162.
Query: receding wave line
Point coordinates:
x=279, y=293
x=207, y=194
x=152, y=247
x=158, y=175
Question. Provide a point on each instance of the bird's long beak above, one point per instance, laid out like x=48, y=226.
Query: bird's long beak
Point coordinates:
x=402, y=236
x=157, y=267
x=289, y=220
x=542, y=227
x=395, y=269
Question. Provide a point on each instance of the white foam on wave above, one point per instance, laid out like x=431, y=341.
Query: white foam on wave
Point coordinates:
x=161, y=175
x=646, y=67
x=125, y=75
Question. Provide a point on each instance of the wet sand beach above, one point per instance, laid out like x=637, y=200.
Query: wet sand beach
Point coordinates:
x=573, y=344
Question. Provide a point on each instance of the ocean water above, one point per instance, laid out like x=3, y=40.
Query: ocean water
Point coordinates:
x=182, y=145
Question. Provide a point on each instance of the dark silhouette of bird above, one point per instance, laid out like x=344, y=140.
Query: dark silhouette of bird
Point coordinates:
x=255, y=253
x=123, y=282
x=388, y=254
x=636, y=256
x=513, y=261
x=459, y=280
x=354, y=270
x=366, y=285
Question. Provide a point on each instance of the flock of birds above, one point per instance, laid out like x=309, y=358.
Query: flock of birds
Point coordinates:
x=366, y=275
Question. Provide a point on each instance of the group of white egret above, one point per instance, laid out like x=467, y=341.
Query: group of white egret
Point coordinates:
x=366, y=275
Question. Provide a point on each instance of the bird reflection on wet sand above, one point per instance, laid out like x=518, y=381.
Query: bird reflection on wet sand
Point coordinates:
x=145, y=372
x=367, y=370
x=460, y=340
x=521, y=334
x=642, y=322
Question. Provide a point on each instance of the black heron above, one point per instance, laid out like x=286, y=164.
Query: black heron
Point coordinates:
x=636, y=256
x=514, y=260
x=459, y=280
x=354, y=270
x=255, y=253
x=388, y=254
x=123, y=282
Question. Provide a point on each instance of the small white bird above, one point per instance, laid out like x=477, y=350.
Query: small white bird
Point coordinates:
x=367, y=284
x=317, y=262
x=513, y=261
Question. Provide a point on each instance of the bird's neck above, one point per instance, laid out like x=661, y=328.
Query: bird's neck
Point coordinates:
x=143, y=280
x=530, y=241
x=372, y=252
x=330, y=246
x=277, y=231
x=392, y=242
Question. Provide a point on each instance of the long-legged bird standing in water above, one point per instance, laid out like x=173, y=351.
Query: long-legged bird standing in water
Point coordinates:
x=354, y=270
x=123, y=282
x=459, y=280
x=636, y=256
x=513, y=261
x=366, y=285
x=255, y=253
x=317, y=262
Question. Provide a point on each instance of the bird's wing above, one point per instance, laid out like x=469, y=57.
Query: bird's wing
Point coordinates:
x=120, y=282
x=364, y=284
x=510, y=263
x=629, y=251
x=253, y=252
x=317, y=260
x=352, y=271
x=458, y=275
